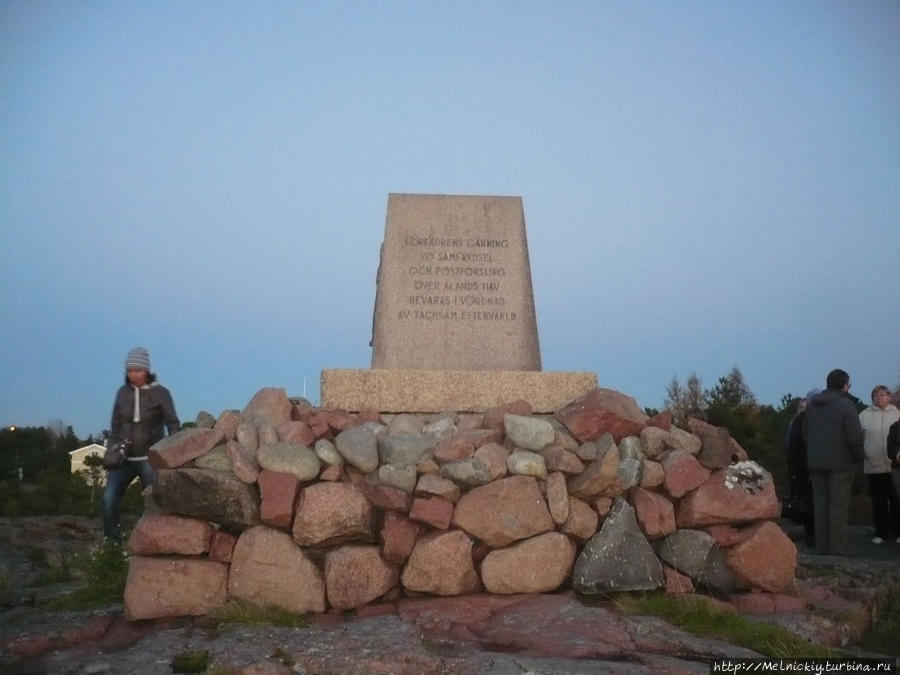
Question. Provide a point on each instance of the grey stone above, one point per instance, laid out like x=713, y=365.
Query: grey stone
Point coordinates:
x=216, y=459
x=717, y=575
x=290, y=458
x=629, y=472
x=247, y=434
x=526, y=463
x=406, y=423
x=464, y=262
x=529, y=433
x=686, y=551
x=375, y=427
x=357, y=445
x=405, y=448
x=630, y=448
x=267, y=434
x=327, y=453
x=470, y=472
x=440, y=429
x=618, y=557
x=204, y=420
x=401, y=476
x=213, y=495
x=587, y=452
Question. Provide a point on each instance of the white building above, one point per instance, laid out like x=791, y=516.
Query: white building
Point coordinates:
x=76, y=457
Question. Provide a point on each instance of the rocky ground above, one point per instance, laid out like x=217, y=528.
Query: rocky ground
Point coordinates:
x=833, y=603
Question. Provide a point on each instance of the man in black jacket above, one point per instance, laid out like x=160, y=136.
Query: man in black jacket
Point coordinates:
x=834, y=446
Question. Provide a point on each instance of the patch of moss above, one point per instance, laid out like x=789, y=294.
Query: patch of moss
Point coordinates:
x=242, y=612
x=191, y=661
x=699, y=616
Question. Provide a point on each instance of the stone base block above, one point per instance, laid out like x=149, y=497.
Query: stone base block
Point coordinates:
x=423, y=391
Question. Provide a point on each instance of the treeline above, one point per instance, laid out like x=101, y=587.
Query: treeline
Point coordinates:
x=36, y=478
x=760, y=428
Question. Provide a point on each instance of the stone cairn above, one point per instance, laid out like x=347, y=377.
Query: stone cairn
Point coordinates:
x=305, y=509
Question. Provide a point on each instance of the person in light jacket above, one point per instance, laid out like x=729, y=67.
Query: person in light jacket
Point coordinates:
x=876, y=421
x=143, y=409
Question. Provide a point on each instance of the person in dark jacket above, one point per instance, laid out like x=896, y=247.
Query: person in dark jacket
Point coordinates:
x=142, y=412
x=801, y=496
x=893, y=452
x=834, y=451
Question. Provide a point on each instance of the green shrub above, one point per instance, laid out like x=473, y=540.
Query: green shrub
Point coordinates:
x=105, y=570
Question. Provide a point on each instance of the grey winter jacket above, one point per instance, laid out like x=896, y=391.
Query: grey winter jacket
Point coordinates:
x=144, y=425
x=833, y=434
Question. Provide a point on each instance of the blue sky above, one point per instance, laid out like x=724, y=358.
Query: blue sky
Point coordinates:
x=706, y=184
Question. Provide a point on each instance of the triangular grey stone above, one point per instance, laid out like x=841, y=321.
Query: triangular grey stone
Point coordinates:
x=618, y=557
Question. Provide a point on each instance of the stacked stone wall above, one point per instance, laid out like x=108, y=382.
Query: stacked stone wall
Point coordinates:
x=307, y=509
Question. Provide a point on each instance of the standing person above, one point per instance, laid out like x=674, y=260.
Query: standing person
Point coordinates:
x=893, y=451
x=801, y=496
x=876, y=421
x=141, y=409
x=834, y=448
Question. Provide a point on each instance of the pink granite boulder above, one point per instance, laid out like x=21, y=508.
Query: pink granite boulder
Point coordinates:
x=228, y=423
x=278, y=494
x=557, y=497
x=434, y=511
x=676, y=582
x=682, y=473
x=430, y=485
x=765, y=560
x=655, y=514
x=454, y=449
x=441, y=564
x=504, y=511
x=357, y=575
x=269, y=569
x=717, y=448
x=221, y=546
x=398, y=536
x=295, y=431
x=581, y=522
x=268, y=406
x=540, y=564
x=182, y=447
x=243, y=462
x=680, y=439
x=164, y=587
x=329, y=514
x=493, y=457
x=726, y=497
x=388, y=498
x=652, y=474
x=160, y=534
x=603, y=411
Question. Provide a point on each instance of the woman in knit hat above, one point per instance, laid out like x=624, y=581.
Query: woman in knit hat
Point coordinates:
x=143, y=409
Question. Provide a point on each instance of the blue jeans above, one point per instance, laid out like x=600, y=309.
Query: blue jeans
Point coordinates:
x=117, y=481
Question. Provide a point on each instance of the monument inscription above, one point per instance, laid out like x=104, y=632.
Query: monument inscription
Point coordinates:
x=454, y=286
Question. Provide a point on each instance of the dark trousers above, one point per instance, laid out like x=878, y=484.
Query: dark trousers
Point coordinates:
x=885, y=506
x=831, y=501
